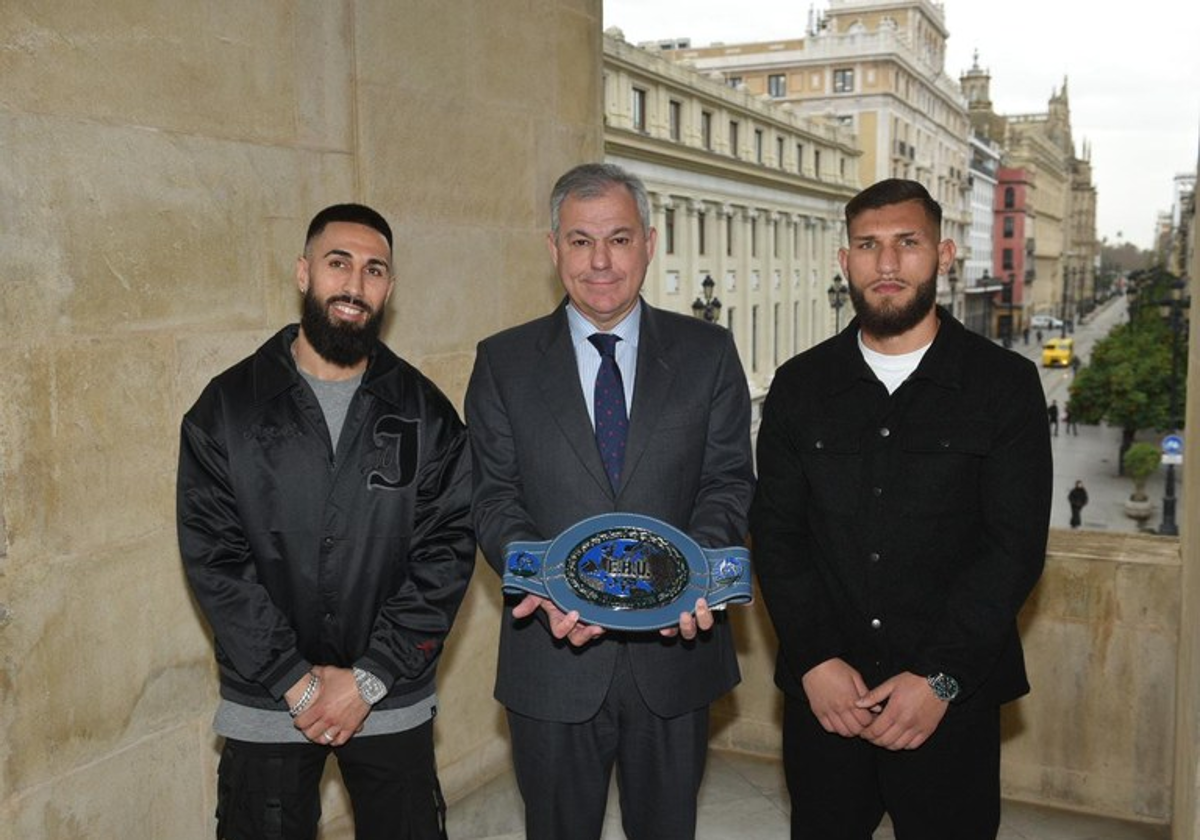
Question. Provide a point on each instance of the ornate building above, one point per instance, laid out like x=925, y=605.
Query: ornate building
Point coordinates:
x=876, y=67
x=747, y=198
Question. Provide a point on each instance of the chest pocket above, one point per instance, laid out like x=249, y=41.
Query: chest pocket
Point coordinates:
x=940, y=466
x=833, y=459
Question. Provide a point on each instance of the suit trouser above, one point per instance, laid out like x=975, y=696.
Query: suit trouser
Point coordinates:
x=840, y=787
x=271, y=791
x=563, y=769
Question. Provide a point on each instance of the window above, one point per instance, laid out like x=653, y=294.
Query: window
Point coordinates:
x=843, y=81
x=734, y=82
x=758, y=145
x=817, y=162
x=675, y=115
x=1006, y=261
x=706, y=129
x=702, y=233
x=639, y=109
x=1010, y=224
x=729, y=319
x=729, y=235
x=1010, y=198
x=754, y=237
x=669, y=230
x=775, y=243
x=777, y=84
x=799, y=157
x=733, y=138
x=779, y=152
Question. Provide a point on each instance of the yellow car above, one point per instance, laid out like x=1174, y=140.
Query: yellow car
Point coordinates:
x=1058, y=352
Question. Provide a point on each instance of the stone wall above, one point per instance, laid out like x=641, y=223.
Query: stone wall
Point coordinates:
x=161, y=162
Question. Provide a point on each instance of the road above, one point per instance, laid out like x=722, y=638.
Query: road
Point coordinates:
x=1091, y=455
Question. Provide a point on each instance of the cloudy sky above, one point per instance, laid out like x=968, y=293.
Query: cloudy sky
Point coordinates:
x=1133, y=74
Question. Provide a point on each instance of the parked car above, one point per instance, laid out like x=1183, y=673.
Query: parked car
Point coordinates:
x=1058, y=352
x=1045, y=322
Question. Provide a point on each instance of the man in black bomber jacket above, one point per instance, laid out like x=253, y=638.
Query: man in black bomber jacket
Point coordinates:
x=324, y=525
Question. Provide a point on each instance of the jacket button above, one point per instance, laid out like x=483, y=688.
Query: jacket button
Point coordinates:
x=945, y=444
x=819, y=444
x=873, y=556
x=877, y=491
x=327, y=542
x=876, y=624
x=885, y=432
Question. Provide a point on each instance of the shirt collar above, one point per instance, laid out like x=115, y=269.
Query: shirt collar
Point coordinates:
x=628, y=330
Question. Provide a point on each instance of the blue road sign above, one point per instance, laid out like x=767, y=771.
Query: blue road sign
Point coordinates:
x=1172, y=445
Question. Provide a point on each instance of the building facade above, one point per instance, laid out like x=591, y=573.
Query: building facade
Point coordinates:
x=878, y=68
x=747, y=197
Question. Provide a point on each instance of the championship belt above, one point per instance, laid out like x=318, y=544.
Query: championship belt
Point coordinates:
x=624, y=571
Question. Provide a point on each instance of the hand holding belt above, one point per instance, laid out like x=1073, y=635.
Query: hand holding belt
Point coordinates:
x=624, y=571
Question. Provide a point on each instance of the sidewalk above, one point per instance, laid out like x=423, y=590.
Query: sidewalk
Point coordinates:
x=1092, y=455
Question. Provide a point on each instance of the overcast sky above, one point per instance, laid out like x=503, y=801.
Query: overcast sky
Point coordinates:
x=1133, y=76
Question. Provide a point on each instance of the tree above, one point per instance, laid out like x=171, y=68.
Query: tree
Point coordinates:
x=1127, y=382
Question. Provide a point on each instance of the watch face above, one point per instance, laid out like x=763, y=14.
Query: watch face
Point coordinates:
x=944, y=686
x=370, y=687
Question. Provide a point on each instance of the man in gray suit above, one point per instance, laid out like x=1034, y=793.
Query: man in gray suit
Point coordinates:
x=580, y=698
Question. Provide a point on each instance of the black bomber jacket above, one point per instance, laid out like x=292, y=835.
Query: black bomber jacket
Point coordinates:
x=299, y=555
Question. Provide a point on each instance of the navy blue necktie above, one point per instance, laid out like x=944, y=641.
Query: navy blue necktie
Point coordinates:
x=612, y=421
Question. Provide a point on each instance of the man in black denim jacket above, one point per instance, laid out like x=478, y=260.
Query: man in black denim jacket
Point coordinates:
x=899, y=524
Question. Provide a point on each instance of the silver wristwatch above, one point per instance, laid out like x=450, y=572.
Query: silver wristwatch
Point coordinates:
x=944, y=686
x=370, y=687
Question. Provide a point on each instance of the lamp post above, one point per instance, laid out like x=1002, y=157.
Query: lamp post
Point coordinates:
x=952, y=281
x=837, y=299
x=1066, y=293
x=710, y=307
x=1006, y=299
x=1176, y=302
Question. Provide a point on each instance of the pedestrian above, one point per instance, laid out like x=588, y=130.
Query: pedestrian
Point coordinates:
x=1026, y=334
x=1052, y=415
x=1075, y=364
x=896, y=535
x=1039, y=338
x=1077, y=499
x=324, y=525
x=1069, y=420
x=579, y=696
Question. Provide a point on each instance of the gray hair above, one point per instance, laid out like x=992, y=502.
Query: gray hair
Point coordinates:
x=591, y=180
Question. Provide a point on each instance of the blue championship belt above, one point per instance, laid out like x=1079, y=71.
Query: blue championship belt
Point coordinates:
x=624, y=571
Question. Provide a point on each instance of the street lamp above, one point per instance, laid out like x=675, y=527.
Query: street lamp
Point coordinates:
x=837, y=299
x=952, y=281
x=710, y=307
x=1006, y=299
x=1176, y=302
x=1066, y=292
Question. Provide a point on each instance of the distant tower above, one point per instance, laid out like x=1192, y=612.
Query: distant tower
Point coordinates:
x=976, y=86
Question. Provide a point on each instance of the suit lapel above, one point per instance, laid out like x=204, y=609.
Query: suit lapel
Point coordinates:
x=558, y=376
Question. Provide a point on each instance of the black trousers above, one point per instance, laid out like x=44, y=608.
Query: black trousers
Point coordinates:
x=841, y=787
x=271, y=791
x=563, y=769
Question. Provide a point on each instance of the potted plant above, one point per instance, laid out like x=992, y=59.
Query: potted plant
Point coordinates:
x=1140, y=461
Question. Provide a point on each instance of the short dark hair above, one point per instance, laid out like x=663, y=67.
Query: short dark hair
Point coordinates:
x=893, y=191
x=358, y=214
x=591, y=180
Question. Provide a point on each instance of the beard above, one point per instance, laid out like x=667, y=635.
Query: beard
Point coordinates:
x=887, y=320
x=339, y=343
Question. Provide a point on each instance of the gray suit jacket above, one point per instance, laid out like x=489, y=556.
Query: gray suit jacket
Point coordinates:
x=537, y=471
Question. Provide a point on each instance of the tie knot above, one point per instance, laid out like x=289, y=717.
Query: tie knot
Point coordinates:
x=606, y=343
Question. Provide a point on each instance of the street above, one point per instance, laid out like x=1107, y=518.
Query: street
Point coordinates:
x=1091, y=455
